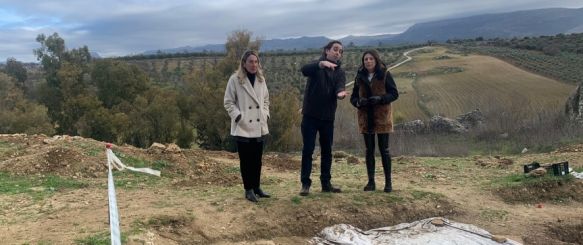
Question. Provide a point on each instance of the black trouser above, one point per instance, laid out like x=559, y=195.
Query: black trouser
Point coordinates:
x=311, y=127
x=385, y=155
x=250, y=154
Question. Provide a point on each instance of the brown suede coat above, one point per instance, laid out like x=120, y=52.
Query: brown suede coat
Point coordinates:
x=382, y=114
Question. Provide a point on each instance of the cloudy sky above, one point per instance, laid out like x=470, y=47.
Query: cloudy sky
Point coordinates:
x=122, y=27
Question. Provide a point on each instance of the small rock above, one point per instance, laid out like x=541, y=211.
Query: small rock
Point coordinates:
x=172, y=148
x=156, y=148
x=537, y=172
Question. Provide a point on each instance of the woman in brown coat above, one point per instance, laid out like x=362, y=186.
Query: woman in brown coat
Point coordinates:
x=374, y=90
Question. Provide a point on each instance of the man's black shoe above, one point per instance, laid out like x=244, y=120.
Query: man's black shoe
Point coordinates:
x=305, y=191
x=250, y=195
x=261, y=193
x=370, y=186
x=330, y=188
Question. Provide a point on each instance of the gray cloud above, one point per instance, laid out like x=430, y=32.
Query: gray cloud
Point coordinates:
x=112, y=27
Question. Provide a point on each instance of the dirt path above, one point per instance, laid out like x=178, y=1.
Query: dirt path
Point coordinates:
x=407, y=59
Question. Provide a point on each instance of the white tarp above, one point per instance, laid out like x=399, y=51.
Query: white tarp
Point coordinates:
x=418, y=232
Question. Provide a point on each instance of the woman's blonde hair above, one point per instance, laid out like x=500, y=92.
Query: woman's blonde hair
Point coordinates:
x=242, y=72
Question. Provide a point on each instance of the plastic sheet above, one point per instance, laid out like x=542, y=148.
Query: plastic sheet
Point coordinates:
x=418, y=232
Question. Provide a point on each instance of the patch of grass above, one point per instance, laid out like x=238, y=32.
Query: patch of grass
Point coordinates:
x=519, y=188
x=515, y=180
x=132, y=161
x=418, y=195
x=39, y=187
x=296, y=200
x=160, y=164
x=7, y=148
x=92, y=150
x=578, y=169
x=493, y=215
x=391, y=198
x=4, y=144
x=102, y=238
x=436, y=162
x=232, y=170
x=376, y=198
x=429, y=176
x=137, y=226
x=131, y=180
x=141, y=163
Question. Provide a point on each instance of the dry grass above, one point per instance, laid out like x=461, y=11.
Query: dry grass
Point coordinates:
x=484, y=82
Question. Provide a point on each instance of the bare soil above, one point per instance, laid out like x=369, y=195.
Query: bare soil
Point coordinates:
x=199, y=197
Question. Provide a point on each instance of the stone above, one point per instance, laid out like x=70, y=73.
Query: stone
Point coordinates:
x=439, y=124
x=172, y=148
x=471, y=119
x=537, y=172
x=156, y=148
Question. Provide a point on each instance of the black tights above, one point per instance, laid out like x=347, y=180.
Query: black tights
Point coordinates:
x=250, y=154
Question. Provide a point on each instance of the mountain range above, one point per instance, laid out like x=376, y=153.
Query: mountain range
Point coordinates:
x=550, y=21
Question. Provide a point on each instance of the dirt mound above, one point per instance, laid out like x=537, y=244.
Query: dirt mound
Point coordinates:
x=78, y=157
x=560, y=232
x=493, y=162
x=57, y=160
x=281, y=161
x=200, y=169
x=570, y=148
x=552, y=190
x=572, y=233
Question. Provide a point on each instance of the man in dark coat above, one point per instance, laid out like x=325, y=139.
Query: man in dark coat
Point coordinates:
x=325, y=85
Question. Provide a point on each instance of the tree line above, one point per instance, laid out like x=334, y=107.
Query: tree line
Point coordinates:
x=114, y=101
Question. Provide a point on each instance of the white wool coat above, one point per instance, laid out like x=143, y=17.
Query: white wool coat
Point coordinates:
x=251, y=102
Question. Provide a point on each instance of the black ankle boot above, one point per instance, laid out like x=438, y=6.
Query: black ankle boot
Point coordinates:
x=250, y=195
x=261, y=193
x=305, y=190
x=370, y=186
x=388, y=186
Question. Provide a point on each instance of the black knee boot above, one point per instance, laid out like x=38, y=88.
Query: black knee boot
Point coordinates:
x=386, y=159
x=370, y=162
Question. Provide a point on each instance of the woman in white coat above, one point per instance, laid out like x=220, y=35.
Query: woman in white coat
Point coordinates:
x=247, y=102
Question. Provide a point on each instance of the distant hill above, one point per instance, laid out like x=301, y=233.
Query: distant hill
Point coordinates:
x=537, y=22
x=366, y=40
x=301, y=43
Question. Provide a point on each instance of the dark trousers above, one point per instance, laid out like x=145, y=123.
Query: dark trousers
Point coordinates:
x=311, y=127
x=250, y=154
x=369, y=142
